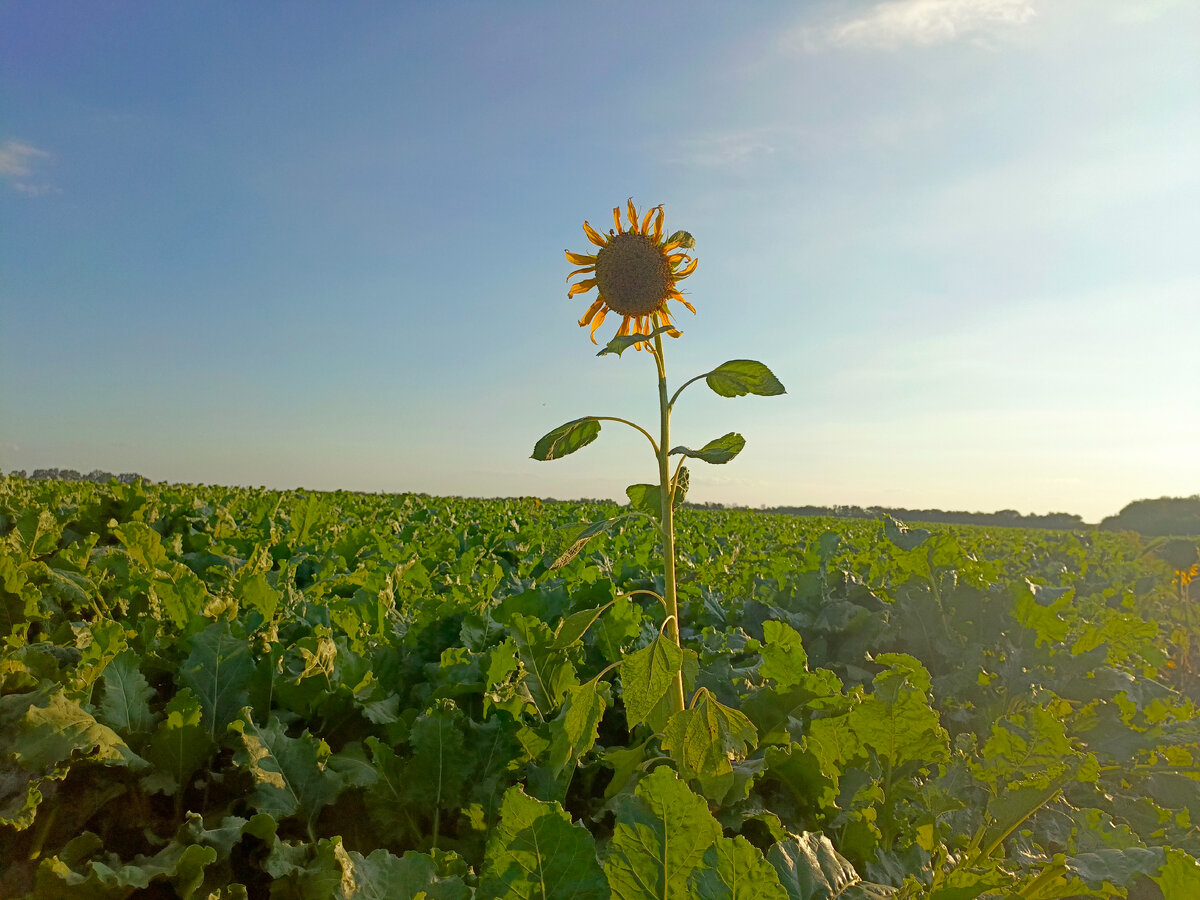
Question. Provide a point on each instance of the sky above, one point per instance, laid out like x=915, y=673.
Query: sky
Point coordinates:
x=321, y=245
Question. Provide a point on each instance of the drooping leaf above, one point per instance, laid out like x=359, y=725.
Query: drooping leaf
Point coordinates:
x=734, y=869
x=810, y=868
x=683, y=239
x=575, y=626
x=739, y=377
x=62, y=878
x=647, y=675
x=581, y=540
x=659, y=840
x=218, y=670
x=566, y=439
x=619, y=345
x=536, y=853
x=717, y=451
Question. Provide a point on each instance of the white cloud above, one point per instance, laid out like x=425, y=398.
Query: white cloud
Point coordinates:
x=17, y=161
x=920, y=23
x=725, y=149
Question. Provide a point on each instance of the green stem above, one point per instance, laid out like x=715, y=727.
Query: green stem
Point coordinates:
x=667, y=497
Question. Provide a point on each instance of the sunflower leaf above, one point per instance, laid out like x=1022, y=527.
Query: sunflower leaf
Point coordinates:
x=739, y=377
x=620, y=344
x=683, y=239
x=566, y=439
x=583, y=537
x=717, y=451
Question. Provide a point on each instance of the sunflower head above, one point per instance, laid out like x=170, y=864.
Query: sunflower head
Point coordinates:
x=635, y=271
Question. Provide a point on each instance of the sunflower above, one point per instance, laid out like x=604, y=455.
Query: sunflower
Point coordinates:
x=635, y=271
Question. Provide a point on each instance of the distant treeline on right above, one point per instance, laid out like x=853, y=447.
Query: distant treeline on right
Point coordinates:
x=1164, y=517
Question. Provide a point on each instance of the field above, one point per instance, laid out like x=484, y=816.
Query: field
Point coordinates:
x=217, y=693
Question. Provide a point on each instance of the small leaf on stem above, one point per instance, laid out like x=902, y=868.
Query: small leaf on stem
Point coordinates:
x=717, y=451
x=619, y=345
x=739, y=377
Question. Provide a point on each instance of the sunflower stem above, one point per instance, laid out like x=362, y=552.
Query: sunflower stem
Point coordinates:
x=666, y=489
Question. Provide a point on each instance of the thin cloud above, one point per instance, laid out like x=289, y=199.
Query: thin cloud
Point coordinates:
x=724, y=149
x=17, y=163
x=920, y=23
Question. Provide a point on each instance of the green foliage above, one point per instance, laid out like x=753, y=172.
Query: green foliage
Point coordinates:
x=566, y=439
x=224, y=693
x=739, y=377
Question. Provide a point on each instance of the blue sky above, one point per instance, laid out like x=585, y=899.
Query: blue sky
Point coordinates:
x=309, y=244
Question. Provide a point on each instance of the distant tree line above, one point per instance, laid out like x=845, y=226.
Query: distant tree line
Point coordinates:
x=1164, y=517
x=1005, y=517
x=97, y=475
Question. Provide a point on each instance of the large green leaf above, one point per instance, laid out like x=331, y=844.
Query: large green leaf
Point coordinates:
x=897, y=719
x=218, y=669
x=783, y=656
x=1179, y=876
x=382, y=876
x=179, y=746
x=717, y=451
x=536, y=853
x=62, y=878
x=546, y=672
x=291, y=775
x=572, y=734
x=706, y=738
x=127, y=695
x=49, y=734
x=739, y=377
x=566, y=439
x=647, y=675
x=647, y=498
x=811, y=869
x=437, y=773
x=661, y=835
x=734, y=869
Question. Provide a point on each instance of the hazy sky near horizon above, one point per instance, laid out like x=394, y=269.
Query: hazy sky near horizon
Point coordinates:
x=320, y=245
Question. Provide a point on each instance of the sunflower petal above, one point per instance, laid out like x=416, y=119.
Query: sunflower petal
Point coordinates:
x=592, y=310
x=580, y=259
x=581, y=287
x=646, y=220
x=581, y=271
x=597, y=321
x=674, y=245
x=687, y=270
x=633, y=217
x=617, y=219
x=594, y=236
x=624, y=329
x=678, y=296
